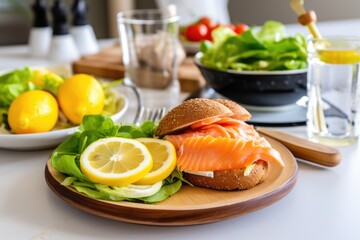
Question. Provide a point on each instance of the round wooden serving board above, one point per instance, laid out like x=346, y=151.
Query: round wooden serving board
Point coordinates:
x=191, y=205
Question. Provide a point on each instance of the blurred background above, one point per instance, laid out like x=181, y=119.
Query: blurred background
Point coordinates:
x=16, y=15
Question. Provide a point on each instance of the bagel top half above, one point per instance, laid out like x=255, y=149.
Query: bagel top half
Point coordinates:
x=197, y=109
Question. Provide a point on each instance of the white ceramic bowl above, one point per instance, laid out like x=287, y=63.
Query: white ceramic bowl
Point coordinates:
x=53, y=138
x=190, y=47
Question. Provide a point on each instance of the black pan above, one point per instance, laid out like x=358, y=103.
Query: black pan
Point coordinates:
x=257, y=88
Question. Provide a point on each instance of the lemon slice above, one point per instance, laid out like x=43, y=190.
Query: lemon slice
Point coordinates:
x=115, y=161
x=164, y=160
x=339, y=56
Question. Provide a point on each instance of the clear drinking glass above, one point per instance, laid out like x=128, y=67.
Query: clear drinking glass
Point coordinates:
x=151, y=53
x=333, y=90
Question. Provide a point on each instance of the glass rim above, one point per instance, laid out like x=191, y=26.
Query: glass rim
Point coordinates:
x=165, y=17
x=335, y=43
x=333, y=38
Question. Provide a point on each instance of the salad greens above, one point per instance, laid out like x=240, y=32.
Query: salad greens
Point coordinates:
x=16, y=82
x=266, y=49
x=12, y=84
x=112, y=103
x=66, y=158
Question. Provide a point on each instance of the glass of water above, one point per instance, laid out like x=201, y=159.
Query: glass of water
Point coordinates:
x=333, y=90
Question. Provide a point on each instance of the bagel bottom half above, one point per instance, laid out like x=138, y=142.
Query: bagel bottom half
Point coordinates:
x=231, y=179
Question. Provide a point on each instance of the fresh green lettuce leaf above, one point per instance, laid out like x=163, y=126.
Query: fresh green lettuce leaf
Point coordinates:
x=112, y=101
x=12, y=84
x=264, y=49
x=52, y=83
x=66, y=158
x=165, y=192
x=272, y=31
x=93, y=193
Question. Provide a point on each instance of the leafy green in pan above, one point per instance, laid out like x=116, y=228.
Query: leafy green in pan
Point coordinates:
x=265, y=49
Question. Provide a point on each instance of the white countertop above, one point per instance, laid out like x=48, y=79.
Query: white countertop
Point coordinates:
x=324, y=203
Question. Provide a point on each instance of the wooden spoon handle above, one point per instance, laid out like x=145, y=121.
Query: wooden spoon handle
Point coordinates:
x=305, y=149
x=307, y=19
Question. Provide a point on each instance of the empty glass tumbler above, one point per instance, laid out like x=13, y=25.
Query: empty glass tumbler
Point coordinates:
x=151, y=53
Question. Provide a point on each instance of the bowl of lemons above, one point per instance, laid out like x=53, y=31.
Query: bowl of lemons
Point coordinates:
x=39, y=108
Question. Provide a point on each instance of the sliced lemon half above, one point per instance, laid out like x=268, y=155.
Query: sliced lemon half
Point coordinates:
x=116, y=161
x=164, y=160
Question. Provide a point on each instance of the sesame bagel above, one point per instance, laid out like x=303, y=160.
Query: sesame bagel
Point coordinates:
x=190, y=112
x=211, y=136
x=240, y=113
x=231, y=179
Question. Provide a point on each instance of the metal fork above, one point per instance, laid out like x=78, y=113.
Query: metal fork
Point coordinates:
x=152, y=114
x=143, y=113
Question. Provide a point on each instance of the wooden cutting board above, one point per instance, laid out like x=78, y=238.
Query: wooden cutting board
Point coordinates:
x=107, y=64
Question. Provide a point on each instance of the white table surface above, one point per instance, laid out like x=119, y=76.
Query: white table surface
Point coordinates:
x=324, y=204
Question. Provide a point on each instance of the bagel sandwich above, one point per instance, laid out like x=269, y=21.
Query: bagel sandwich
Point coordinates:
x=215, y=146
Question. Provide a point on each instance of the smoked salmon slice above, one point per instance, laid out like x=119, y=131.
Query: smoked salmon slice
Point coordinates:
x=221, y=144
x=210, y=154
x=217, y=120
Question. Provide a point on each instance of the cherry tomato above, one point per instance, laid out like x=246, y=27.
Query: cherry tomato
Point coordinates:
x=207, y=21
x=231, y=26
x=240, y=28
x=196, y=32
x=209, y=24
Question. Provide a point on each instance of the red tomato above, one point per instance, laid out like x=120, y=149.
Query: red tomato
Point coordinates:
x=196, y=32
x=207, y=21
x=231, y=26
x=240, y=28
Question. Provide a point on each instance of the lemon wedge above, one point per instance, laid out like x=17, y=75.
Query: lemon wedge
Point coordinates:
x=116, y=161
x=339, y=56
x=164, y=160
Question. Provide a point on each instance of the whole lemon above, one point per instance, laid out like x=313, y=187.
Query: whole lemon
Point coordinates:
x=33, y=111
x=79, y=95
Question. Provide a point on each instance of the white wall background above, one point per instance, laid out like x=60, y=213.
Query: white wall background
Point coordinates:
x=258, y=11
x=252, y=12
